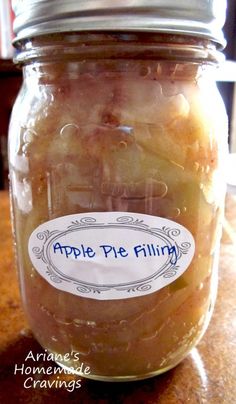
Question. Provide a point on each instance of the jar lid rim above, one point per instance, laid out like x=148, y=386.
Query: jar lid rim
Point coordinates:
x=201, y=18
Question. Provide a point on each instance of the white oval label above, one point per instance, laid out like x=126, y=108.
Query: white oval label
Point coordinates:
x=111, y=255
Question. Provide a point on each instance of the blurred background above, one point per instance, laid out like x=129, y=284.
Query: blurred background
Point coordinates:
x=11, y=78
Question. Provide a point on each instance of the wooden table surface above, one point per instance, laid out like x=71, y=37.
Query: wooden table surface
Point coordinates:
x=207, y=375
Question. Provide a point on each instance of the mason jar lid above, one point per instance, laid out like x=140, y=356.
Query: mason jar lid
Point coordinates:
x=201, y=18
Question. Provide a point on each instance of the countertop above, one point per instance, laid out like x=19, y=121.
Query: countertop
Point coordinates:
x=207, y=375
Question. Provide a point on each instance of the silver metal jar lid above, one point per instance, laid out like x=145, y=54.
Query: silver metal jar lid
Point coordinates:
x=201, y=18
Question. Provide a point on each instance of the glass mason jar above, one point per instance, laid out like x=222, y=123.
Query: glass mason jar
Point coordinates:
x=117, y=143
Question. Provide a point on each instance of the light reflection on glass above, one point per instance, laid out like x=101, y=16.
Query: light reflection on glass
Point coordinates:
x=199, y=365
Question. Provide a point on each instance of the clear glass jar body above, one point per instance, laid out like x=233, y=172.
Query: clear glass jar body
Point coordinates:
x=127, y=123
